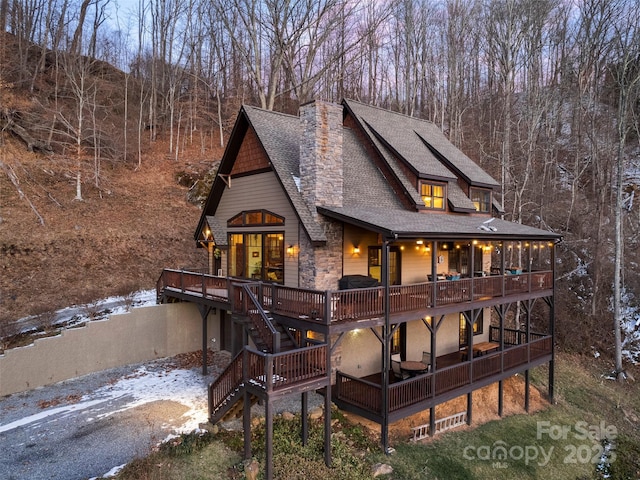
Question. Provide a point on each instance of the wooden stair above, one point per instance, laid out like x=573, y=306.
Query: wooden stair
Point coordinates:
x=226, y=394
x=286, y=342
x=237, y=409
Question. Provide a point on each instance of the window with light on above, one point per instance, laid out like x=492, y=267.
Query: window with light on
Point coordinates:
x=481, y=199
x=432, y=195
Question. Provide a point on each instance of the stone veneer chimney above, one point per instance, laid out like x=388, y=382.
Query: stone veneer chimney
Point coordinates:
x=321, y=184
x=321, y=164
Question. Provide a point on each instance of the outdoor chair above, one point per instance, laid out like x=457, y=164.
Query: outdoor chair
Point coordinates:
x=426, y=359
x=395, y=368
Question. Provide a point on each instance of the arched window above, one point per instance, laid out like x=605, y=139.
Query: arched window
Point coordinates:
x=255, y=218
x=258, y=255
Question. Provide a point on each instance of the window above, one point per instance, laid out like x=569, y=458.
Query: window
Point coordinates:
x=253, y=218
x=478, y=326
x=433, y=195
x=399, y=339
x=460, y=261
x=481, y=199
x=395, y=341
x=375, y=264
x=259, y=256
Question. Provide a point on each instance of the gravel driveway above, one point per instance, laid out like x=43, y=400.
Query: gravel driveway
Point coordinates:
x=89, y=426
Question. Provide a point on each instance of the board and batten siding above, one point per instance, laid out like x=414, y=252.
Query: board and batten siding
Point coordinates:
x=256, y=192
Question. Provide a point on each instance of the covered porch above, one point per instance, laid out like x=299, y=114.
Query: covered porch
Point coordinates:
x=452, y=376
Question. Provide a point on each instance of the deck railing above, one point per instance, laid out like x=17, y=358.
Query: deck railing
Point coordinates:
x=195, y=283
x=367, y=395
x=404, y=394
x=270, y=372
x=361, y=393
x=513, y=336
x=298, y=302
x=347, y=305
x=252, y=307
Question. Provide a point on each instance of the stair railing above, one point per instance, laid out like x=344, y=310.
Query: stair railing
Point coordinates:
x=268, y=334
x=223, y=390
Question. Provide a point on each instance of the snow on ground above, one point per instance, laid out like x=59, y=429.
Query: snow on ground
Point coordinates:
x=630, y=328
x=186, y=387
x=143, y=386
x=98, y=310
x=111, y=473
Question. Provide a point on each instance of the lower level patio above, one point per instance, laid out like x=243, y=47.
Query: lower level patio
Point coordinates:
x=453, y=375
x=485, y=409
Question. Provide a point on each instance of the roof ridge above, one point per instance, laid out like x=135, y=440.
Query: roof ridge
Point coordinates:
x=264, y=110
x=385, y=110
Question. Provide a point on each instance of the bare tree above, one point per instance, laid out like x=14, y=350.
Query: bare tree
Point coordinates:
x=592, y=134
x=626, y=75
x=504, y=41
x=462, y=46
x=83, y=88
x=76, y=43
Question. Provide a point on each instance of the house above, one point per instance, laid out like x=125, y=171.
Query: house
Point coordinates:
x=362, y=255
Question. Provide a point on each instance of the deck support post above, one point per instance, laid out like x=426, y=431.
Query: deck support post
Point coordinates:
x=432, y=421
x=327, y=425
x=551, y=379
x=469, y=407
x=204, y=344
x=500, y=398
x=204, y=313
x=386, y=357
x=246, y=425
x=304, y=407
x=268, y=423
x=526, y=391
x=327, y=402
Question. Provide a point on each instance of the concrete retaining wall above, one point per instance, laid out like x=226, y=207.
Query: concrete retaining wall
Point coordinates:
x=145, y=333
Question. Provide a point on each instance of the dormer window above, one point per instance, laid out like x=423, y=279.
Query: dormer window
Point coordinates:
x=433, y=195
x=481, y=198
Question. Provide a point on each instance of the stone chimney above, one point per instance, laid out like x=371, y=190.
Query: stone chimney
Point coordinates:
x=321, y=164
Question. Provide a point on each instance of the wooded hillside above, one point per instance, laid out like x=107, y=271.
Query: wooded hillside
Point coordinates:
x=543, y=94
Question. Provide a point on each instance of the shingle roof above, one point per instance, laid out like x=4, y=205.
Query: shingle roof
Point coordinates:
x=280, y=137
x=363, y=182
x=421, y=144
x=369, y=199
x=218, y=230
x=408, y=224
x=398, y=132
x=458, y=201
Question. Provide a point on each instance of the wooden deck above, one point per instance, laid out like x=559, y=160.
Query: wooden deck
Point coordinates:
x=341, y=309
x=302, y=369
x=364, y=395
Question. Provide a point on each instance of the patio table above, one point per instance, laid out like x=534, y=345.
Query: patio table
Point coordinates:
x=413, y=367
x=484, y=347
